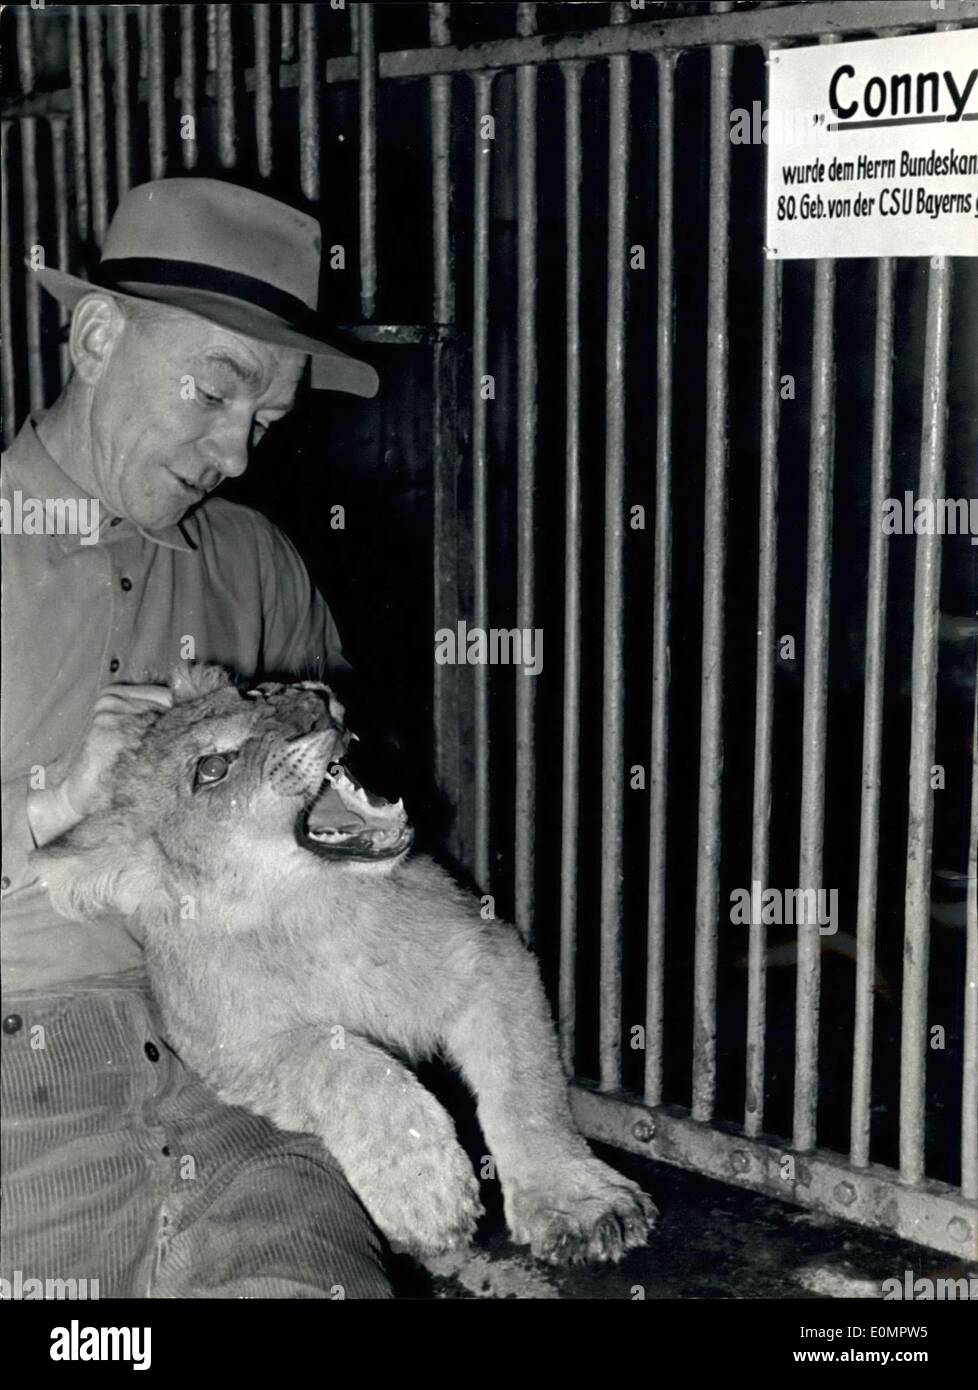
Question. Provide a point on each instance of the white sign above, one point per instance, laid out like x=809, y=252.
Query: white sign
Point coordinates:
x=872, y=148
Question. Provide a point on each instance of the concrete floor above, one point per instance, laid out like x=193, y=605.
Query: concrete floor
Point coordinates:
x=713, y=1241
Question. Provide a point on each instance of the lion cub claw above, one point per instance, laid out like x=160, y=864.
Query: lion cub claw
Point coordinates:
x=592, y=1214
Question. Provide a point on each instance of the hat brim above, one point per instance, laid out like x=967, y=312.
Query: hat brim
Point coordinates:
x=332, y=369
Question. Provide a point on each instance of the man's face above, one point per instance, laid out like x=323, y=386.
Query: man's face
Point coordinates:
x=177, y=407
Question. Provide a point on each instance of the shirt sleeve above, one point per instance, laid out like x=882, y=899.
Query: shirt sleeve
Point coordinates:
x=17, y=838
x=300, y=638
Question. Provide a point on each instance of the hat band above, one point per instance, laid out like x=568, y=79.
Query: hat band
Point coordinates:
x=191, y=275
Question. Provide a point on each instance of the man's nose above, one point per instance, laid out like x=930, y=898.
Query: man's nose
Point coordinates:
x=228, y=451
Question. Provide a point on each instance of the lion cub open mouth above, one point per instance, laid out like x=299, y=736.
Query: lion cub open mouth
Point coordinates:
x=347, y=822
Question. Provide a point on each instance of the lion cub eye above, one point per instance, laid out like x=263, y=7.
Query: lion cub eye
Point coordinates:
x=213, y=768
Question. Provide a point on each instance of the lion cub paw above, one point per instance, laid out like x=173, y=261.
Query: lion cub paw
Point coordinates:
x=589, y=1213
x=423, y=1194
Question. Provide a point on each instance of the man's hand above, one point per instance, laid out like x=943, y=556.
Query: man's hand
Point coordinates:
x=118, y=720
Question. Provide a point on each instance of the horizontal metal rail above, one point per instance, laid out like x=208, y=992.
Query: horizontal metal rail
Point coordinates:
x=789, y=22
x=930, y=1213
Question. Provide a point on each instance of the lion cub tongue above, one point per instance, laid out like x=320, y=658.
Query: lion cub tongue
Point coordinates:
x=329, y=812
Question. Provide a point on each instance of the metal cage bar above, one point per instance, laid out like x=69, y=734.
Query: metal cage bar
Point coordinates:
x=189, y=147
x=227, y=133
x=120, y=100
x=662, y=587
x=480, y=579
x=767, y=574
x=367, y=89
x=526, y=448
x=969, y=1070
x=7, y=380
x=572, y=75
x=309, y=103
x=156, y=78
x=923, y=722
x=99, y=164
x=869, y=821
x=613, y=731
x=262, y=27
x=714, y=565
x=815, y=700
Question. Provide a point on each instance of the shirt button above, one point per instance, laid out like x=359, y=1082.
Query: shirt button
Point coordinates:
x=12, y=1024
x=152, y=1052
x=114, y=664
x=126, y=584
x=4, y=883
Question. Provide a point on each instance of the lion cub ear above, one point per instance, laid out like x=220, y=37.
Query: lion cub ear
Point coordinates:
x=95, y=868
x=189, y=682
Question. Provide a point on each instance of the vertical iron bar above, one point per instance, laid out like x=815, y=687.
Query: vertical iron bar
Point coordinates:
x=714, y=566
x=79, y=129
x=211, y=38
x=309, y=103
x=367, y=72
x=445, y=549
x=7, y=381
x=923, y=720
x=288, y=32
x=661, y=588
x=767, y=571
x=227, y=136
x=869, y=818
x=572, y=74
x=59, y=163
x=969, y=1071
x=815, y=695
x=188, y=84
x=25, y=49
x=120, y=81
x=480, y=520
x=35, y=363
x=157, y=107
x=526, y=443
x=96, y=122
x=815, y=706
x=612, y=748
x=142, y=22
x=263, y=87
x=441, y=175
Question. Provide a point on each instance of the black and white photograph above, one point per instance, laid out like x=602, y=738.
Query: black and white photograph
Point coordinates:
x=489, y=642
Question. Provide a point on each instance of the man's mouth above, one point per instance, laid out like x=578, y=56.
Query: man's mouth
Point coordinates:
x=191, y=489
x=347, y=822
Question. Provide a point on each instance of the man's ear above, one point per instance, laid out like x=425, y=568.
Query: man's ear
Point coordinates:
x=98, y=868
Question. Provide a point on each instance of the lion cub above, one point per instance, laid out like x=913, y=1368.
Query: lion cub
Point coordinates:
x=299, y=954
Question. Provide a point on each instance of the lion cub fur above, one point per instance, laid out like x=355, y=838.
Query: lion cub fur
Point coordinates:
x=303, y=988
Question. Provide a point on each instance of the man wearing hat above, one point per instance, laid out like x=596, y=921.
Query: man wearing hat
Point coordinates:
x=187, y=344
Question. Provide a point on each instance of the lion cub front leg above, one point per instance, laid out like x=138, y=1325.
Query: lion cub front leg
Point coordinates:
x=390, y=1135
x=559, y=1199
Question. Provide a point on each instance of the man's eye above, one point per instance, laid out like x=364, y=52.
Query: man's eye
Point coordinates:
x=213, y=768
x=210, y=397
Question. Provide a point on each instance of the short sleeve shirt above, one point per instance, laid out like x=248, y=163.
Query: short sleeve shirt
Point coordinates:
x=83, y=608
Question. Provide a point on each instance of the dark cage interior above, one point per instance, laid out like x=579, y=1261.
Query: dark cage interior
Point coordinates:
x=401, y=470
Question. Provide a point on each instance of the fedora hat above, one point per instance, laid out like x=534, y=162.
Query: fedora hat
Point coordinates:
x=233, y=256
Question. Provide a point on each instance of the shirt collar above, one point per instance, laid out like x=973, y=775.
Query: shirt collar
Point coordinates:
x=29, y=466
